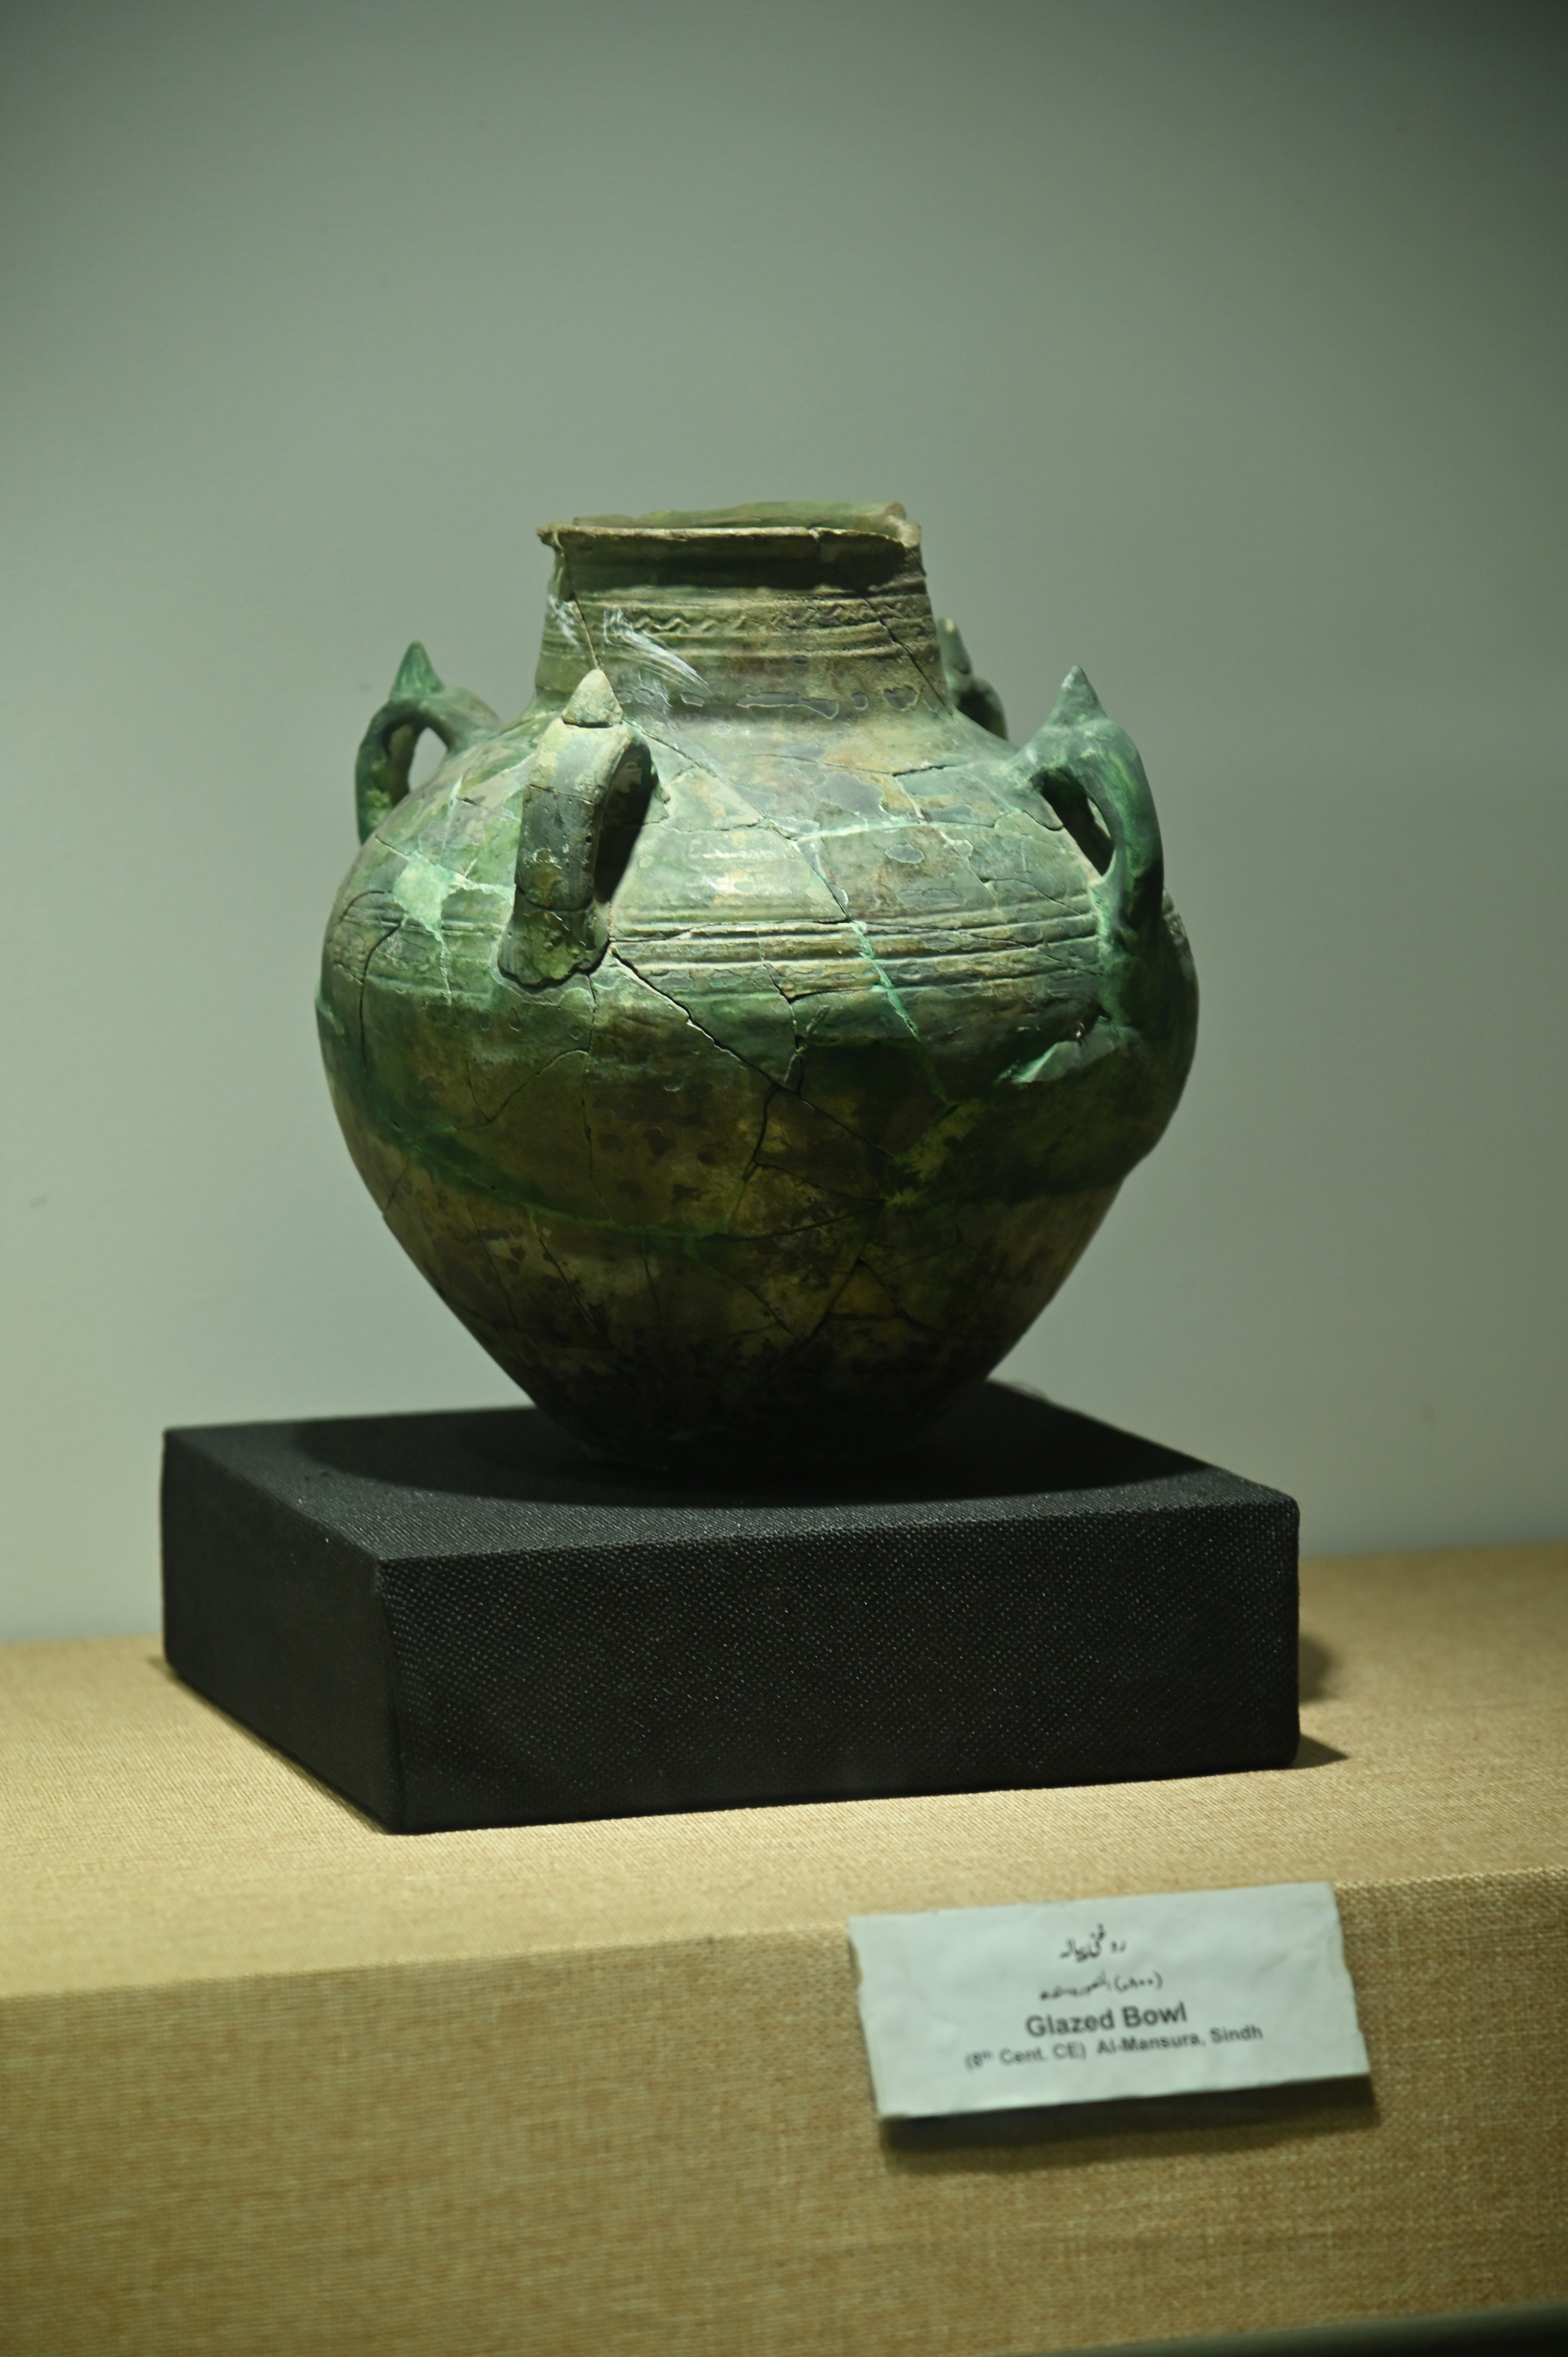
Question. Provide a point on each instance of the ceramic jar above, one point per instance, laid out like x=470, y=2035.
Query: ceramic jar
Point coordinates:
x=747, y=1041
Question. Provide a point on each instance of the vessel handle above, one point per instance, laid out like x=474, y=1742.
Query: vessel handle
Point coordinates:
x=419, y=700
x=585, y=796
x=1081, y=757
x=975, y=697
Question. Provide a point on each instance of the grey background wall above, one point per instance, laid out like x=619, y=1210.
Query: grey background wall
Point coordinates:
x=1217, y=346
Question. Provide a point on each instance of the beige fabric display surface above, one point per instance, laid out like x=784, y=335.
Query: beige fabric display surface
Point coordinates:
x=272, y=2080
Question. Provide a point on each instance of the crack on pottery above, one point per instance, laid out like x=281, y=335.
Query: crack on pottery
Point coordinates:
x=593, y=1323
x=583, y=1092
x=724, y=1048
x=938, y=686
x=803, y=1342
x=388, y=1199
x=378, y=943
x=752, y=1159
x=498, y=1274
x=528, y=1080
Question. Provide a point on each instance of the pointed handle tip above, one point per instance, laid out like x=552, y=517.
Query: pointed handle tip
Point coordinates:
x=416, y=674
x=1076, y=700
x=592, y=703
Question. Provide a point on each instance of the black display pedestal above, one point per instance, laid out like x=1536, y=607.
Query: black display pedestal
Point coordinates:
x=462, y=1619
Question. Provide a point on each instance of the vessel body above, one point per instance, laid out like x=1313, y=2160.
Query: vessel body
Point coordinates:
x=748, y=1040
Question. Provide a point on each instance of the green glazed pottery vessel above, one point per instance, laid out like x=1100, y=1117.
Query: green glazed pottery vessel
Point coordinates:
x=747, y=1041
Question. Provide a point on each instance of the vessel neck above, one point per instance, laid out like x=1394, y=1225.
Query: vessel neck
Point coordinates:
x=743, y=619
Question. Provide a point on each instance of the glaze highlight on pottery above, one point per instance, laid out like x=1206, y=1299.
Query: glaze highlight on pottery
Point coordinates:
x=747, y=1041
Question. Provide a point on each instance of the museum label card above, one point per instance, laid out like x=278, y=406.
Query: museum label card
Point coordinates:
x=993, y=2008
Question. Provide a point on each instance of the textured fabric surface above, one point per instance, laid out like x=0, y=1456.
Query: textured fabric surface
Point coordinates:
x=276, y=2080
x=462, y=1621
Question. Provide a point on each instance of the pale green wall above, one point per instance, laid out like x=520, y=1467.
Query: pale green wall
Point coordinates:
x=1217, y=346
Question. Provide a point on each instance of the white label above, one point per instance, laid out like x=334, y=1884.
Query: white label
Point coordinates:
x=992, y=2008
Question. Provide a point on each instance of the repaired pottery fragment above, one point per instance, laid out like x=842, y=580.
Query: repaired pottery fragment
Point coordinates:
x=746, y=1041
